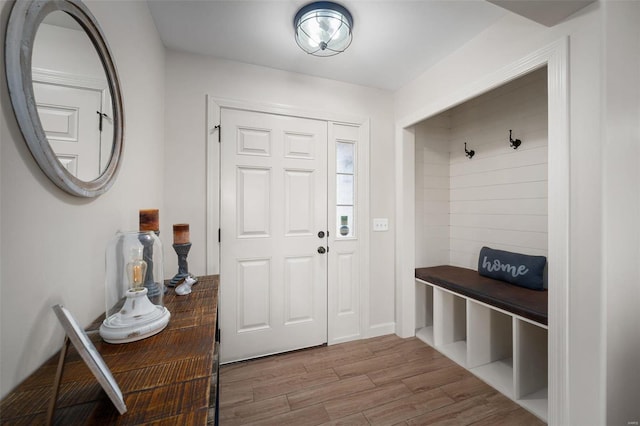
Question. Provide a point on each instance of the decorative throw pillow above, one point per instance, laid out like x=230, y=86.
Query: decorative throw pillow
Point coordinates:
x=515, y=268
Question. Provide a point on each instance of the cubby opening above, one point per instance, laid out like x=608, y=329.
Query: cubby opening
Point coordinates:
x=450, y=336
x=531, y=359
x=424, y=313
x=490, y=346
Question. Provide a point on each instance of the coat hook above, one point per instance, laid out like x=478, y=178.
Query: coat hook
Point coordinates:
x=514, y=143
x=468, y=153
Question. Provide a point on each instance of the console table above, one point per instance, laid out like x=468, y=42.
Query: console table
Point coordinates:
x=170, y=378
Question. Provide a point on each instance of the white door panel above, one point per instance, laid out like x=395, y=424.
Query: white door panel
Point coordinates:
x=273, y=294
x=70, y=121
x=347, y=298
x=253, y=202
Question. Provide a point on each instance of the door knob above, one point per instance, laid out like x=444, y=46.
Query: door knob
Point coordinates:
x=321, y=250
x=321, y=234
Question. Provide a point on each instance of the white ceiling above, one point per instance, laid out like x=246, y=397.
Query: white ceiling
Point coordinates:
x=393, y=41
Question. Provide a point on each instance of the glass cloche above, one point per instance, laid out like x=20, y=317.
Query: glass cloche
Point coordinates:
x=134, y=288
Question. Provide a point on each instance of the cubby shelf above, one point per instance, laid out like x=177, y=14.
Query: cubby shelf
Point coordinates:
x=426, y=335
x=457, y=351
x=536, y=402
x=498, y=374
x=503, y=349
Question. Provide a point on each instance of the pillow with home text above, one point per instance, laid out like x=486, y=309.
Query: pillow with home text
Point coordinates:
x=520, y=269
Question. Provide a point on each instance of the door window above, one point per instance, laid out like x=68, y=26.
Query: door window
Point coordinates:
x=345, y=190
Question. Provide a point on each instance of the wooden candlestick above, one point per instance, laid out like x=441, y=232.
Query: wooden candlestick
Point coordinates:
x=181, y=245
x=181, y=233
x=149, y=220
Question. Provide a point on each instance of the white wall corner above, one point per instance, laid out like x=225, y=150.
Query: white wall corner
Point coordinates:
x=405, y=236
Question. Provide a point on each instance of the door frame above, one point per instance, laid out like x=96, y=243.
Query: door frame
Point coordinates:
x=213, y=182
x=555, y=57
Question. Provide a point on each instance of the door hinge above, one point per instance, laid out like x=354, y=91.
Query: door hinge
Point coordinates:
x=218, y=128
x=102, y=116
x=218, y=234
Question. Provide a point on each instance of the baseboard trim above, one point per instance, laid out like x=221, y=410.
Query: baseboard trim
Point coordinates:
x=381, y=329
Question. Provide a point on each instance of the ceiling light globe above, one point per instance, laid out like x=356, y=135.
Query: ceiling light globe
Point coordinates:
x=323, y=28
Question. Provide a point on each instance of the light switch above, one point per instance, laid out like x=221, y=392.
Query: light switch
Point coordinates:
x=380, y=224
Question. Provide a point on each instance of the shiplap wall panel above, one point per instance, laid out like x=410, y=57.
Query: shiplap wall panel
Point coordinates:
x=531, y=173
x=503, y=191
x=491, y=237
x=500, y=222
x=432, y=192
x=509, y=191
x=497, y=158
x=532, y=206
x=499, y=197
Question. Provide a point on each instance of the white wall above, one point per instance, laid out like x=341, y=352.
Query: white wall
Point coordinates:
x=66, y=50
x=53, y=244
x=621, y=200
x=506, y=42
x=190, y=77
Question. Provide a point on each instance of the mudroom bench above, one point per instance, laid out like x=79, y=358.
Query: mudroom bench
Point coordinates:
x=496, y=330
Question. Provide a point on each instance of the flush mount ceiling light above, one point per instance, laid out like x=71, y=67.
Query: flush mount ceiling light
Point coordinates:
x=323, y=28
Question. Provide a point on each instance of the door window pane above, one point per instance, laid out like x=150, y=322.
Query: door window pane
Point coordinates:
x=344, y=155
x=345, y=189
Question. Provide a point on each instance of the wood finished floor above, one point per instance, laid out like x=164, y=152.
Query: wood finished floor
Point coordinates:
x=381, y=381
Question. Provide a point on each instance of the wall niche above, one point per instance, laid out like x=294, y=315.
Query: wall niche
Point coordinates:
x=495, y=197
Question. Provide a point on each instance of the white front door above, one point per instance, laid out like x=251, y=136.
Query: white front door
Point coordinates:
x=70, y=120
x=273, y=293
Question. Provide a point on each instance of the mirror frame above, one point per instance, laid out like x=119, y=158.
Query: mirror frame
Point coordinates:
x=22, y=27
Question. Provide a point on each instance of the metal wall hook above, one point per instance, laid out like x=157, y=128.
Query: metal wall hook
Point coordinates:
x=514, y=143
x=468, y=153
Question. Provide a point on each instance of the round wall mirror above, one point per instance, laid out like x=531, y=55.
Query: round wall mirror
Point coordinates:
x=65, y=92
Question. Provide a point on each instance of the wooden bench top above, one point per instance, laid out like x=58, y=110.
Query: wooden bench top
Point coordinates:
x=530, y=304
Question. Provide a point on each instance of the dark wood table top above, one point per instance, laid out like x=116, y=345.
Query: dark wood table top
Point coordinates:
x=527, y=303
x=164, y=379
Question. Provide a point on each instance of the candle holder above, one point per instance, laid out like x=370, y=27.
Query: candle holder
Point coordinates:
x=182, y=250
x=150, y=222
x=153, y=287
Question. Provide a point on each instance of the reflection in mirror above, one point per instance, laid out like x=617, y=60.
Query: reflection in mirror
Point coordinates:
x=79, y=64
x=72, y=96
